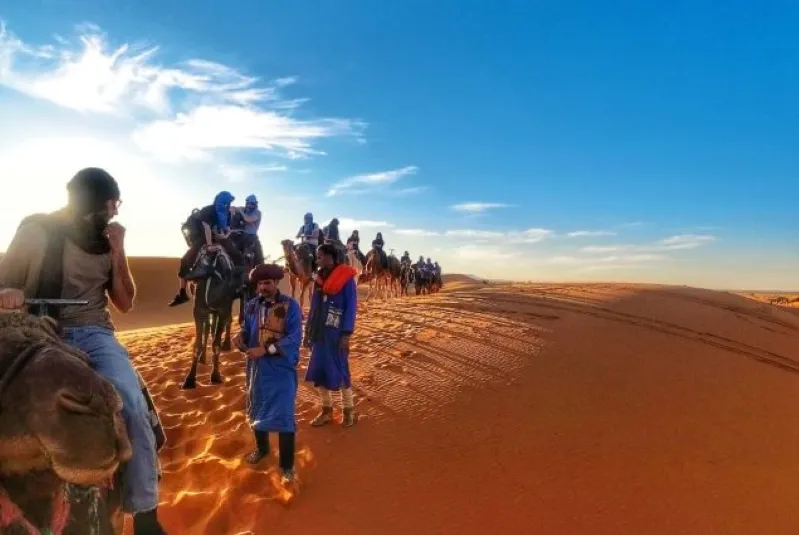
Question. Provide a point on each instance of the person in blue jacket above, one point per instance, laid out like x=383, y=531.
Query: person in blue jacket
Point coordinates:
x=270, y=336
x=331, y=323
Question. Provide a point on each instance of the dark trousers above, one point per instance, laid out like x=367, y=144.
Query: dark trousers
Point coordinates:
x=189, y=258
x=285, y=444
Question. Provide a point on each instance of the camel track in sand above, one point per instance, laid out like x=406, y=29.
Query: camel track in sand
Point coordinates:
x=721, y=342
x=401, y=362
x=410, y=358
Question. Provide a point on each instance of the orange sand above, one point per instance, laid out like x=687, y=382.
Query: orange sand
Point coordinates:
x=519, y=409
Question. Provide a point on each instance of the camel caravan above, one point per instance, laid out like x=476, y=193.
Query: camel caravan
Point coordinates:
x=79, y=432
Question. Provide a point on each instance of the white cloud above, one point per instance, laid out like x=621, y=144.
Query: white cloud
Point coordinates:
x=533, y=235
x=370, y=180
x=196, y=107
x=606, y=248
x=346, y=222
x=243, y=173
x=672, y=243
x=477, y=207
x=410, y=191
x=685, y=241
x=190, y=136
x=590, y=233
x=415, y=232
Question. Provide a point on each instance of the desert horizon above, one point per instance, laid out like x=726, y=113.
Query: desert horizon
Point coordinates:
x=573, y=408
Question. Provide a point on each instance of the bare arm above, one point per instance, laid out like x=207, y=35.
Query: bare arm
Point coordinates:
x=123, y=290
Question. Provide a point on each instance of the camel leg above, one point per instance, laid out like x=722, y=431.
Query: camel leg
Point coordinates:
x=219, y=322
x=226, y=344
x=200, y=320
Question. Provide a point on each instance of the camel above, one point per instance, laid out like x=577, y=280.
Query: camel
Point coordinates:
x=213, y=305
x=406, y=278
x=59, y=446
x=354, y=262
x=299, y=269
x=375, y=275
x=422, y=280
x=246, y=291
x=393, y=276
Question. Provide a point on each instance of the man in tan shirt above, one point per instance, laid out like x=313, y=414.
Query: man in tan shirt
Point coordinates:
x=78, y=253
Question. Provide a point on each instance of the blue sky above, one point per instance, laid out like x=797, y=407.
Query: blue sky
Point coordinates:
x=525, y=140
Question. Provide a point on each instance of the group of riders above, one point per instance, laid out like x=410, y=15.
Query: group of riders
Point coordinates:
x=235, y=229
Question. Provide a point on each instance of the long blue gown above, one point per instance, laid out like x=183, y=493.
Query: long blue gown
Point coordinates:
x=329, y=365
x=272, y=380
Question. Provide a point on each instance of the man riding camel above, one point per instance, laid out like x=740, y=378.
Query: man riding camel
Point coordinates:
x=378, y=244
x=78, y=253
x=354, y=241
x=309, y=238
x=331, y=231
x=406, y=258
x=249, y=217
x=429, y=266
x=207, y=226
x=332, y=236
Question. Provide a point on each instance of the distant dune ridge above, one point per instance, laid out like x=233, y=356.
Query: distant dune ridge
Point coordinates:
x=528, y=408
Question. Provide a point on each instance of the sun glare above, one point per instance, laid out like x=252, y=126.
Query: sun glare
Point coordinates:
x=34, y=176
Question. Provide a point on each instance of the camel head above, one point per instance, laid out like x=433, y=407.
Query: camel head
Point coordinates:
x=56, y=413
x=288, y=247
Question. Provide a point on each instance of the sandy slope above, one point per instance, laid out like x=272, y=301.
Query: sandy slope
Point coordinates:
x=601, y=409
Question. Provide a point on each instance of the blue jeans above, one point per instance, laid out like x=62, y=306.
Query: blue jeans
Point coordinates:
x=110, y=359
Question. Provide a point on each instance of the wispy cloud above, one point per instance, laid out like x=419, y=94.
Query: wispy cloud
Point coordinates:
x=478, y=234
x=686, y=241
x=590, y=233
x=477, y=207
x=185, y=111
x=532, y=235
x=348, y=223
x=606, y=248
x=417, y=232
x=410, y=191
x=678, y=242
x=243, y=173
x=369, y=180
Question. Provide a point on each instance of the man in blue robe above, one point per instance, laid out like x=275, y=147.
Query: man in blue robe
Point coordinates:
x=271, y=333
x=331, y=323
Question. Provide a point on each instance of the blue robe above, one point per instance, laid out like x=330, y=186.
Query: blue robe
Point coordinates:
x=329, y=366
x=272, y=380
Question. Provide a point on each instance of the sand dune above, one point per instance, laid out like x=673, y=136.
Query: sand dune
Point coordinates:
x=549, y=409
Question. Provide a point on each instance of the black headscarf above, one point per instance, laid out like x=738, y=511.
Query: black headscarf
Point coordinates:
x=89, y=191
